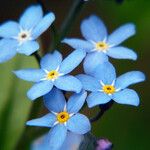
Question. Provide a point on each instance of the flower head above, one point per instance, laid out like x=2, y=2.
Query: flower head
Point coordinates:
x=72, y=142
x=104, y=86
x=99, y=45
x=20, y=37
x=63, y=117
x=53, y=72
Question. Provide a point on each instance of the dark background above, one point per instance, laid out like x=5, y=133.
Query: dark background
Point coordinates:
x=127, y=127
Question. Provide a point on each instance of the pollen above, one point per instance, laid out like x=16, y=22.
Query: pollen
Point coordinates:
x=52, y=75
x=62, y=117
x=109, y=89
x=101, y=46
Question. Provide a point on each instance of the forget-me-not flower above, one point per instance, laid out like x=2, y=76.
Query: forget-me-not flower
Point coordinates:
x=105, y=86
x=64, y=117
x=72, y=142
x=20, y=37
x=53, y=72
x=99, y=44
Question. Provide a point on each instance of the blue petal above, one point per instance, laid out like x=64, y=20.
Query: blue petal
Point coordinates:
x=68, y=83
x=97, y=98
x=45, y=121
x=93, y=29
x=7, y=49
x=28, y=48
x=121, y=34
x=79, y=44
x=33, y=75
x=51, y=61
x=105, y=72
x=127, y=96
x=79, y=124
x=72, y=61
x=72, y=141
x=122, y=53
x=43, y=25
x=9, y=29
x=56, y=137
x=31, y=17
x=129, y=78
x=76, y=102
x=89, y=83
x=39, y=89
x=92, y=60
x=55, y=100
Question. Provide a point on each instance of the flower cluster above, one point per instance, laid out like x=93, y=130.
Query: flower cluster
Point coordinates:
x=52, y=80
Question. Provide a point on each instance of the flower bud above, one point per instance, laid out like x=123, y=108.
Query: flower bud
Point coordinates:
x=104, y=144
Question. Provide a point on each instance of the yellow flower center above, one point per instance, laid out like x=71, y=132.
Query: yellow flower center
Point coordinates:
x=101, y=46
x=109, y=89
x=52, y=75
x=62, y=117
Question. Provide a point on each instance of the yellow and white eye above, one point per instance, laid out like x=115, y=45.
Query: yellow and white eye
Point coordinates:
x=52, y=75
x=109, y=89
x=101, y=46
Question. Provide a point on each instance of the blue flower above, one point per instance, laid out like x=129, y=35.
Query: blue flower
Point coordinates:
x=53, y=72
x=21, y=37
x=63, y=117
x=72, y=142
x=105, y=86
x=99, y=45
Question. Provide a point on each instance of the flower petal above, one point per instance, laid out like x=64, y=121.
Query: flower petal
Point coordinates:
x=121, y=34
x=76, y=102
x=93, y=29
x=51, y=61
x=56, y=137
x=7, y=49
x=28, y=48
x=72, y=61
x=122, y=53
x=127, y=96
x=39, y=89
x=9, y=29
x=97, y=98
x=55, y=100
x=79, y=124
x=68, y=83
x=105, y=72
x=31, y=17
x=129, y=78
x=33, y=75
x=72, y=141
x=79, y=44
x=45, y=121
x=43, y=25
x=89, y=83
x=92, y=60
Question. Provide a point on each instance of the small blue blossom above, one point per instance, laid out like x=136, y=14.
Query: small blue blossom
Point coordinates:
x=72, y=142
x=105, y=86
x=63, y=117
x=99, y=45
x=53, y=72
x=21, y=37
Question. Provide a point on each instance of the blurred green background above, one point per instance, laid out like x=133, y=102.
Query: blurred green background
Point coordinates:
x=127, y=127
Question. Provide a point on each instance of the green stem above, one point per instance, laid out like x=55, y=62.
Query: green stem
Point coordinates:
x=103, y=109
x=68, y=22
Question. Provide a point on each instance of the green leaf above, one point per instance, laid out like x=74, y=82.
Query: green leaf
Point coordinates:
x=14, y=105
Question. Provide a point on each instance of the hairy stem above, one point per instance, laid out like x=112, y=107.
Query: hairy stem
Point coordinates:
x=68, y=22
x=103, y=109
